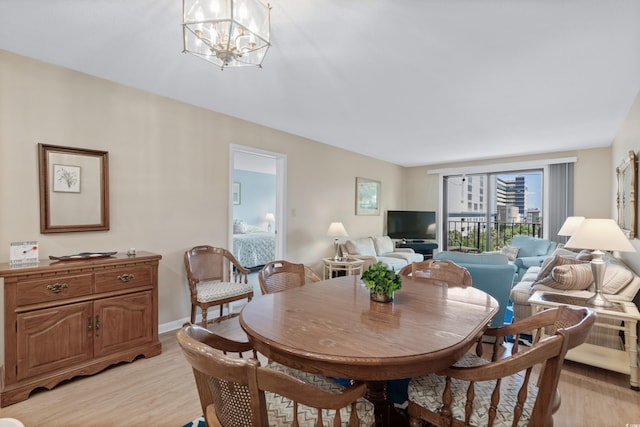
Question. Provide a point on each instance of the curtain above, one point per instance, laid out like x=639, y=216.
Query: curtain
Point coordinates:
x=560, y=197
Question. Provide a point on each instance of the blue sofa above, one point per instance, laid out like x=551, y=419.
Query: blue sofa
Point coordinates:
x=531, y=253
x=491, y=273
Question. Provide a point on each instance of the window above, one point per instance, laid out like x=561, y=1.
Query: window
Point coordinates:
x=491, y=223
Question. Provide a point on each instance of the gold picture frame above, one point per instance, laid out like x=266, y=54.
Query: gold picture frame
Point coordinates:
x=627, y=175
x=74, y=189
x=367, y=196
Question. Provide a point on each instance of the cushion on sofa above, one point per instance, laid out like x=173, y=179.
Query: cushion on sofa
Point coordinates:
x=363, y=246
x=569, y=277
x=382, y=244
x=408, y=257
x=555, y=261
x=511, y=252
x=584, y=255
x=616, y=277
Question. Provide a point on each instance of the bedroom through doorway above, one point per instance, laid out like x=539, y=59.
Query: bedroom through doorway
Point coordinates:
x=256, y=200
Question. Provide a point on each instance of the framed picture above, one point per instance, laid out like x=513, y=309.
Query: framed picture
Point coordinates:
x=367, y=196
x=236, y=193
x=66, y=179
x=74, y=189
x=627, y=175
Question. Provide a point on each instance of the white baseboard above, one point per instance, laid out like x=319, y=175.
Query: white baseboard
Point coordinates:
x=174, y=325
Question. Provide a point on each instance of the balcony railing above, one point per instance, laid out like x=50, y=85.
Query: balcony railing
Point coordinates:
x=471, y=236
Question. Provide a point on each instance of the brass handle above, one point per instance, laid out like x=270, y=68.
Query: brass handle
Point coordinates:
x=89, y=325
x=97, y=325
x=126, y=277
x=57, y=287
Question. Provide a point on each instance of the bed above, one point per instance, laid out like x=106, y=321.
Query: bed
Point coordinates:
x=254, y=247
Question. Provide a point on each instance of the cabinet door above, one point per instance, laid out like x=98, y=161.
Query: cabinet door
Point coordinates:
x=122, y=322
x=53, y=339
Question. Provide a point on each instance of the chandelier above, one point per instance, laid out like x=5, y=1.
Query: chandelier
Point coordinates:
x=227, y=33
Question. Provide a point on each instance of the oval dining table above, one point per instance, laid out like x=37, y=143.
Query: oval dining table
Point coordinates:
x=333, y=328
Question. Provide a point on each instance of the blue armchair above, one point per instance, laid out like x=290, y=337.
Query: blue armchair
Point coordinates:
x=491, y=273
x=532, y=252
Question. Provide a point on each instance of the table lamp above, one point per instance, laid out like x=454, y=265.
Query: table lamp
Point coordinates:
x=270, y=217
x=336, y=229
x=599, y=235
x=570, y=225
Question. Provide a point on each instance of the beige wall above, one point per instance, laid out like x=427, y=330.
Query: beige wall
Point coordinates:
x=627, y=139
x=169, y=172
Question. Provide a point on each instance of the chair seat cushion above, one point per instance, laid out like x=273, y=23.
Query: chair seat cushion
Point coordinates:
x=280, y=409
x=426, y=391
x=211, y=291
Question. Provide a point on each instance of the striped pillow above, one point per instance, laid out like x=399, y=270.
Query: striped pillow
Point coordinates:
x=569, y=277
x=550, y=263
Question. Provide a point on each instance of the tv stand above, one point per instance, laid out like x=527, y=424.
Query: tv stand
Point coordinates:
x=419, y=246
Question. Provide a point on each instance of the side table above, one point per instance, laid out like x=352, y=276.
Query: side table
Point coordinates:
x=623, y=361
x=349, y=266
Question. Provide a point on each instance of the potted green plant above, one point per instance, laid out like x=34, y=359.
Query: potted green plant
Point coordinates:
x=381, y=281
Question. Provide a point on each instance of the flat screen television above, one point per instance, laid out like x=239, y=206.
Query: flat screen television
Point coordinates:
x=411, y=225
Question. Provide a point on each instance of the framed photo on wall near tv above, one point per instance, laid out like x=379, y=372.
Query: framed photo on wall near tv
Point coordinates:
x=367, y=196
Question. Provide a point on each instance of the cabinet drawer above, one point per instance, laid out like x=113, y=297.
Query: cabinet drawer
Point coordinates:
x=53, y=289
x=123, y=278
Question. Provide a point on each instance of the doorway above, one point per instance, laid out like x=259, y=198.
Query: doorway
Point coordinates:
x=256, y=205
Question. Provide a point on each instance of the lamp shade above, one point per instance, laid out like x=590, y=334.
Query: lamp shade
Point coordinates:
x=570, y=225
x=599, y=234
x=270, y=216
x=336, y=229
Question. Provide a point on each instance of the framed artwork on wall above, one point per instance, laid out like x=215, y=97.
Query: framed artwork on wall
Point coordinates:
x=74, y=189
x=236, y=193
x=367, y=196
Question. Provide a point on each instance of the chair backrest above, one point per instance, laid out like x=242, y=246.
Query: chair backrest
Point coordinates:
x=234, y=387
x=206, y=263
x=439, y=270
x=568, y=327
x=277, y=276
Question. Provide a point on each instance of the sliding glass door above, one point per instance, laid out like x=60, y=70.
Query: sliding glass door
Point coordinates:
x=483, y=211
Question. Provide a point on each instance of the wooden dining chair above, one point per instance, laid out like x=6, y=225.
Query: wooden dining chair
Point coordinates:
x=236, y=391
x=438, y=270
x=502, y=390
x=277, y=276
x=215, y=278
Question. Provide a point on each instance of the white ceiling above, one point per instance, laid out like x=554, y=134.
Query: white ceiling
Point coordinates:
x=413, y=82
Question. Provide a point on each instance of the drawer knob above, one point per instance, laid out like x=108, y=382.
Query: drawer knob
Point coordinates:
x=126, y=277
x=57, y=287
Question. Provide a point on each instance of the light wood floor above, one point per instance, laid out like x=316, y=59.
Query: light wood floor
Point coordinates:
x=160, y=392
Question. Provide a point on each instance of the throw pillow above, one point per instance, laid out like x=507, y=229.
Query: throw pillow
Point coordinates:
x=584, y=255
x=570, y=277
x=550, y=263
x=511, y=252
x=239, y=227
x=616, y=277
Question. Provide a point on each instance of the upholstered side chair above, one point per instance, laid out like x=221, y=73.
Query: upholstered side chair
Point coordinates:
x=215, y=278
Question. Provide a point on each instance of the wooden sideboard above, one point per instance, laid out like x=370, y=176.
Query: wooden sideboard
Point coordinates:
x=71, y=318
